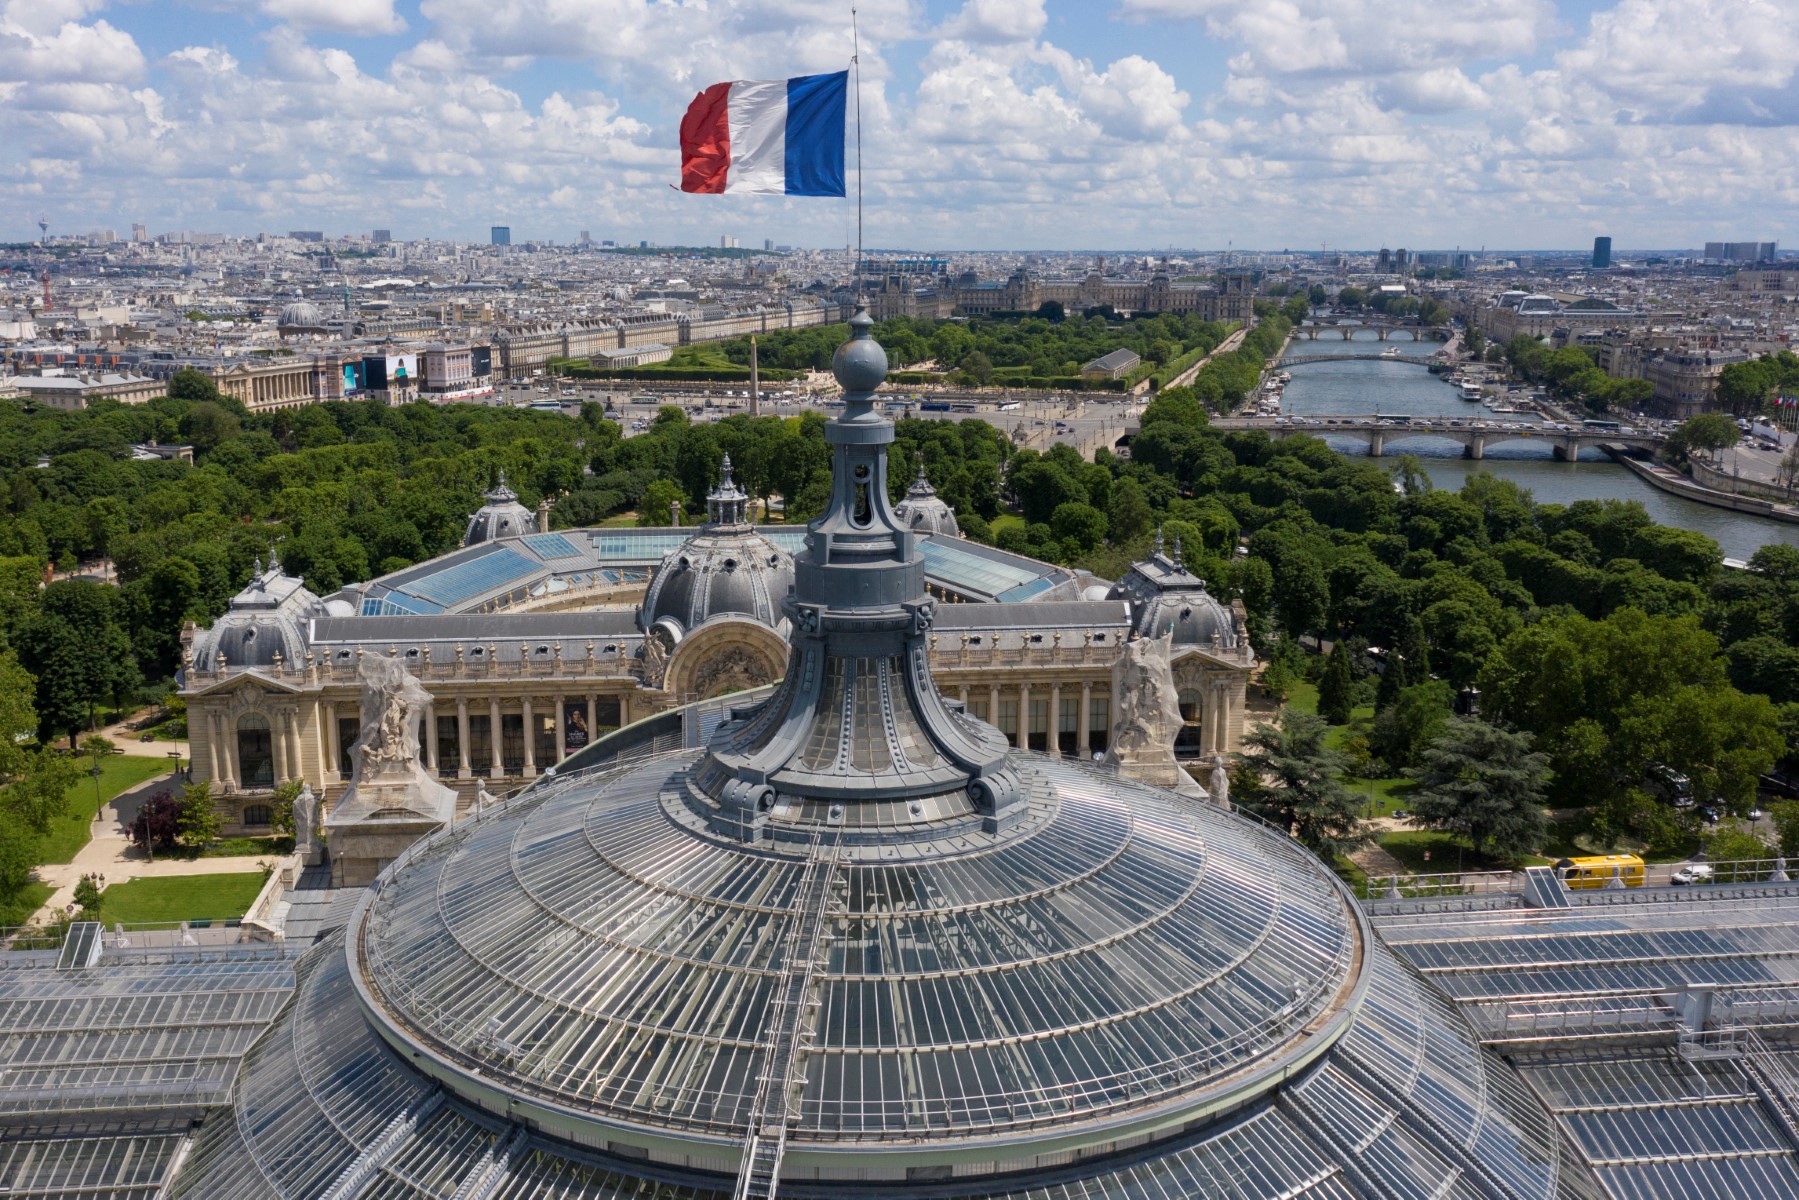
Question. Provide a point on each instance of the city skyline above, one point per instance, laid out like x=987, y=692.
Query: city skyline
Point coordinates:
x=991, y=124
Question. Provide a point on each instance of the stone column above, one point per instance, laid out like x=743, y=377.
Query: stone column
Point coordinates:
x=1083, y=720
x=214, y=767
x=1055, y=718
x=530, y=740
x=496, y=767
x=561, y=729
x=462, y=767
x=1217, y=716
x=1024, y=716
x=993, y=704
x=228, y=750
x=318, y=721
x=332, y=755
x=430, y=738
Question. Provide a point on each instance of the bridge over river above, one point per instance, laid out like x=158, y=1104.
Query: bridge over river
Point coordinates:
x=1300, y=360
x=1475, y=436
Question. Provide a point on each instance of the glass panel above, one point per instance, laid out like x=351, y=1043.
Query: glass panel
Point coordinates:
x=512, y=743
x=1099, y=723
x=1039, y=728
x=545, y=749
x=348, y=730
x=449, y=752
x=480, y=742
x=255, y=752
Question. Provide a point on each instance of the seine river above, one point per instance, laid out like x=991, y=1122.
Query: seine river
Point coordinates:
x=1354, y=388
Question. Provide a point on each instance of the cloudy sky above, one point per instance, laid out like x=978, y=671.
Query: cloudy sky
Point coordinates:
x=987, y=123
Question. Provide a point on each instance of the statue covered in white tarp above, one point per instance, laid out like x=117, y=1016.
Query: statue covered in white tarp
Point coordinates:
x=1147, y=715
x=391, y=800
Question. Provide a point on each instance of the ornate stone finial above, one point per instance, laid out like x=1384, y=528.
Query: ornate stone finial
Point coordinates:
x=1179, y=557
x=274, y=560
x=860, y=365
x=256, y=568
x=724, y=473
x=1158, y=550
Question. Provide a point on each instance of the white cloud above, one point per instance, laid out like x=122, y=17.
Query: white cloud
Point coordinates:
x=337, y=16
x=43, y=42
x=996, y=21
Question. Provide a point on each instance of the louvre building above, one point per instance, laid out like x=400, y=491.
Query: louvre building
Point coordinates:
x=858, y=944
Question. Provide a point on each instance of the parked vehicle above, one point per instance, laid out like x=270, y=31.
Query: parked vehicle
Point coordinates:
x=1597, y=870
x=1693, y=873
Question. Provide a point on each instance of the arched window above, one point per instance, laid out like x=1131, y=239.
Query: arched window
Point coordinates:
x=259, y=814
x=255, y=751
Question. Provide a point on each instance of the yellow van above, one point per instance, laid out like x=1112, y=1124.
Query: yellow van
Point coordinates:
x=1596, y=870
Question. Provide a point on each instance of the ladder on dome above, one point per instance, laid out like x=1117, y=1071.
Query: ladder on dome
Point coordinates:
x=790, y=1029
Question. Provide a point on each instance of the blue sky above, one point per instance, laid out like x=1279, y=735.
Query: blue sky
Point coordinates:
x=1002, y=124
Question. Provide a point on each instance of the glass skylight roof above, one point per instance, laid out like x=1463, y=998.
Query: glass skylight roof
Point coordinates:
x=971, y=572
x=474, y=577
x=1114, y=956
x=552, y=545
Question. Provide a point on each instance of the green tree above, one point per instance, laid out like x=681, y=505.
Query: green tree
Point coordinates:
x=1129, y=516
x=193, y=386
x=281, y=806
x=1786, y=826
x=1336, y=690
x=88, y=898
x=34, y=782
x=1407, y=726
x=1484, y=783
x=1079, y=525
x=200, y=821
x=1734, y=842
x=1708, y=433
x=1290, y=779
x=79, y=653
x=657, y=499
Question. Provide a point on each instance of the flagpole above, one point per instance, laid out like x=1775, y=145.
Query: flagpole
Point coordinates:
x=856, y=61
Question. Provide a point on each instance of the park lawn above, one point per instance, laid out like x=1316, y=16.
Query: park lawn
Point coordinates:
x=248, y=847
x=1005, y=521
x=1448, y=853
x=170, y=898
x=16, y=907
x=71, y=831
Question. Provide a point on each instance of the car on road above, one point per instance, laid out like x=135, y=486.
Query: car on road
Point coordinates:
x=1692, y=873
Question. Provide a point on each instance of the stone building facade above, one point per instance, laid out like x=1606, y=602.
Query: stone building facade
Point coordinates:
x=531, y=670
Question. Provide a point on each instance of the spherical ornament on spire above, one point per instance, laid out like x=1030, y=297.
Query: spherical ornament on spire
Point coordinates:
x=860, y=364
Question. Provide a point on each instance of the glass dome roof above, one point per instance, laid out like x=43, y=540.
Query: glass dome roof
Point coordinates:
x=1117, y=953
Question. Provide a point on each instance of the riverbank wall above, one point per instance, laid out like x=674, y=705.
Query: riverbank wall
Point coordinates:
x=1667, y=480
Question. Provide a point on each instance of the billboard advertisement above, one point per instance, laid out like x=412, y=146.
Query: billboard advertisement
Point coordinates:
x=374, y=373
x=481, y=360
x=353, y=378
x=402, y=370
x=574, y=725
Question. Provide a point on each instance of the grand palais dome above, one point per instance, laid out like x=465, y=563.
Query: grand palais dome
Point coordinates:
x=859, y=946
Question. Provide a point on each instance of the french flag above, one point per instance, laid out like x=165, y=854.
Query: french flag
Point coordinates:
x=771, y=136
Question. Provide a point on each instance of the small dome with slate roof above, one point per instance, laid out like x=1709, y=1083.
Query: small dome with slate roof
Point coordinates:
x=266, y=619
x=1165, y=597
x=923, y=511
x=501, y=517
x=726, y=567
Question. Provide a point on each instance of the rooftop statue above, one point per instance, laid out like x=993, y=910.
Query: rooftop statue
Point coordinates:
x=391, y=799
x=1147, y=714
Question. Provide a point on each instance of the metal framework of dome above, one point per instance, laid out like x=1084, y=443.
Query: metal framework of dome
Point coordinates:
x=857, y=947
x=300, y=315
x=502, y=516
x=1166, y=597
x=724, y=567
x=924, y=511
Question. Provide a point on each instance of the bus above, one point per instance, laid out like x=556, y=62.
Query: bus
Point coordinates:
x=1603, y=426
x=1394, y=418
x=1598, y=870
